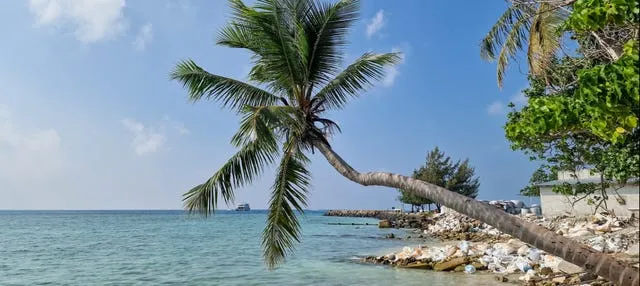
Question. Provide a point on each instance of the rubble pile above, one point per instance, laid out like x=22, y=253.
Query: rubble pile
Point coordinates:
x=504, y=258
x=455, y=226
x=483, y=248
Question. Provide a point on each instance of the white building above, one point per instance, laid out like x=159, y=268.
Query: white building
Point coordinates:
x=554, y=204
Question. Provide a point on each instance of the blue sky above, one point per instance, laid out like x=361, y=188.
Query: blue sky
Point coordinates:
x=90, y=120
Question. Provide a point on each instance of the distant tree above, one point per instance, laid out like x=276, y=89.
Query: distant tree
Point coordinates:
x=441, y=171
x=543, y=174
x=416, y=202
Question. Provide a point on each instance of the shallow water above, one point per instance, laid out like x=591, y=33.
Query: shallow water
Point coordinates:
x=171, y=248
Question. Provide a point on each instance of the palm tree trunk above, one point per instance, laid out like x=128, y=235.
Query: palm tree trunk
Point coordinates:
x=542, y=238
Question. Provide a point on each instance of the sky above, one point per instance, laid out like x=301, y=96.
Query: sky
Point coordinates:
x=89, y=118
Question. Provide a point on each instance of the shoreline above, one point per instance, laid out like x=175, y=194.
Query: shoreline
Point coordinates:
x=457, y=243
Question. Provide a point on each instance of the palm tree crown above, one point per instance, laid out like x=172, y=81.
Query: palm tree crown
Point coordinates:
x=525, y=24
x=297, y=51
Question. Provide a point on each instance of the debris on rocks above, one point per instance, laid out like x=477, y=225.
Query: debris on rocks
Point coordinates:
x=483, y=248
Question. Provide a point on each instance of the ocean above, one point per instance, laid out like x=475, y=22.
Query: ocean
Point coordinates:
x=173, y=248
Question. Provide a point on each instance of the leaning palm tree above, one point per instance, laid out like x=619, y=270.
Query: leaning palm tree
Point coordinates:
x=297, y=51
x=526, y=24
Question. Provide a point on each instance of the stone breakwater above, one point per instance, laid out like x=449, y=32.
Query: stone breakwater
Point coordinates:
x=442, y=226
x=379, y=214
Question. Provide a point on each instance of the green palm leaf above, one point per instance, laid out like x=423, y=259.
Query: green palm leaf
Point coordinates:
x=261, y=121
x=327, y=26
x=533, y=24
x=356, y=78
x=506, y=38
x=230, y=92
x=241, y=169
x=493, y=41
x=268, y=30
x=289, y=194
x=512, y=44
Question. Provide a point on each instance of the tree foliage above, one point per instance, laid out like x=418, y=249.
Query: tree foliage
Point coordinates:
x=440, y=170
x=541, y=175
x=584, y=114
x=531, y=27
x=297, y=50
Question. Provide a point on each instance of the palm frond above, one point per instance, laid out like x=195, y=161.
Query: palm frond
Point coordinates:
x=512, y=44
x=356, y=78
x=326, y=27
x=493, y=41
x=241, y=169
x=258, y=121
x=289, y=194
x=230, y=92
x=534, y=23
x=268, y=30
x=544, y=39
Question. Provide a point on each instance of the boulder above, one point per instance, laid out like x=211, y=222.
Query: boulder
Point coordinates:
x=559, y=280
x=450, y=264
x=418, y=265
x=459, y=268
x=479, y=266
x=545, y=271
x=385, y=223
x=566, y=267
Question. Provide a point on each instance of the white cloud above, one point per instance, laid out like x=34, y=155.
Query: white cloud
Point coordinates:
x=145, y=139
x=144, y=37
x=391, y=72
x=376, y=23
x=27, y=154
x=151, y=138
x=178, y=126
x=496, y=108
x=91, y=21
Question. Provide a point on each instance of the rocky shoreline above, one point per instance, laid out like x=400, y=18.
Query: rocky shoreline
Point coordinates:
x=468, y=245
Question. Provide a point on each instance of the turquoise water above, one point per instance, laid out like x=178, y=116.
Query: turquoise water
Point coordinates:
x=171, y=248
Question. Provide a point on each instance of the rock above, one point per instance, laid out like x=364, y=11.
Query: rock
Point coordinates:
x=479, y=266
x=385, y=223
x=579, y=233
x=559, y=280
x=634, y=250
x=450, y=264
x=567, y=267
x=545, y=271
x=575, y=280
x=501, y=279
x=459, y=268
x=418, y=265
x=390, y=235
x=587, y=277
x=523, y=250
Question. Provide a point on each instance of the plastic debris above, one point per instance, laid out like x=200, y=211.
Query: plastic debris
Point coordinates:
x=469, y=269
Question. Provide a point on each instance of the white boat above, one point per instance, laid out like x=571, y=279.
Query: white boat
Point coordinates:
x=243, y=207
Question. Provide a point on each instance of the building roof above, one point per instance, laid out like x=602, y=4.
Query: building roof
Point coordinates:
x=595, y=180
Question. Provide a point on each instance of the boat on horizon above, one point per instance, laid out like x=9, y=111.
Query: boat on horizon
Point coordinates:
x=243, y=207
